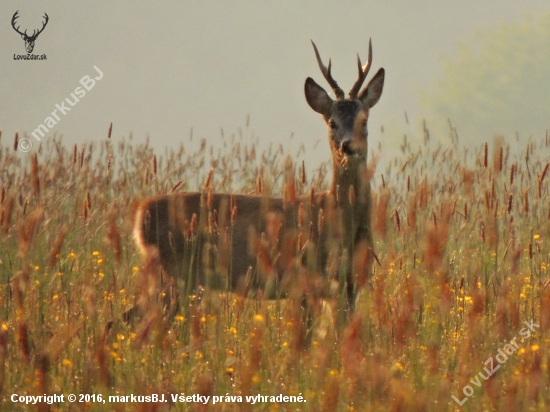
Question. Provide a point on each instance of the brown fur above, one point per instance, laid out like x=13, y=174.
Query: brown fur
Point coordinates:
x=243, y=243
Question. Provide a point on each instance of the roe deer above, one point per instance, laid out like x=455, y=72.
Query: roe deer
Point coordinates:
x=246, y=243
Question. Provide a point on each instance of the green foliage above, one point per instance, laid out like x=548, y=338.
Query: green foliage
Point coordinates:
x=500, y=82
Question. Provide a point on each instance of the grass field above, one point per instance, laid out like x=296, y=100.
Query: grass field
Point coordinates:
x=462, y=239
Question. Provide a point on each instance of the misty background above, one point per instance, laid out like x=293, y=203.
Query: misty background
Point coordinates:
x=172, y=67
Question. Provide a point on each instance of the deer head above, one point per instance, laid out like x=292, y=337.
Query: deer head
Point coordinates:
x=346, y=118
x=29, y=40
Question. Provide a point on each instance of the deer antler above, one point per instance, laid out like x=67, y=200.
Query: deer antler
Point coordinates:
x=328, y=76
x=15, y=16
x=34, y=33
x=43, y=26
x=363, y=71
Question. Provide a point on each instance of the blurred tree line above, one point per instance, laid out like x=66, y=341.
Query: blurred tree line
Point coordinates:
x=498, y=84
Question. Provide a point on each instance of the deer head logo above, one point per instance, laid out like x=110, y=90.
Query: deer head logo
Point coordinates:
x=29, y=40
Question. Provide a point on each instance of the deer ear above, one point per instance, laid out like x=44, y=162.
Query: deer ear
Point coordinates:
x=317, y=98
x=370, y=95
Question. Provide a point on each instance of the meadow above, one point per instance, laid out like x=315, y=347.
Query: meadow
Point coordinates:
x=461, y=237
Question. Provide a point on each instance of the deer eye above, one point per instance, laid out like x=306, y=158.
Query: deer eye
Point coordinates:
x=364, y=123
x=332, y=124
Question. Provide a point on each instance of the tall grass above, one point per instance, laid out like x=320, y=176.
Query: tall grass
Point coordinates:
x=461, y=238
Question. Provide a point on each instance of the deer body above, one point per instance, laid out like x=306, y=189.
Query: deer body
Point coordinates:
x=246, y=244
x=185, y=228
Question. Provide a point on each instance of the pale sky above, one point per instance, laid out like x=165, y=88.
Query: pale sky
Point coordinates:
x=170, y=66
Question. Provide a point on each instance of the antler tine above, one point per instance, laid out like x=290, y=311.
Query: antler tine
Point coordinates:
x=328, y=76
x=363, y=71
x=15, y=16
x=44, y=24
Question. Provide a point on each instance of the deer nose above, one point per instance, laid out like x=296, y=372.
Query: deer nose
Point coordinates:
x=345, y=147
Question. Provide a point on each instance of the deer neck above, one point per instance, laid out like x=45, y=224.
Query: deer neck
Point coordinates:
x=348, y=173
